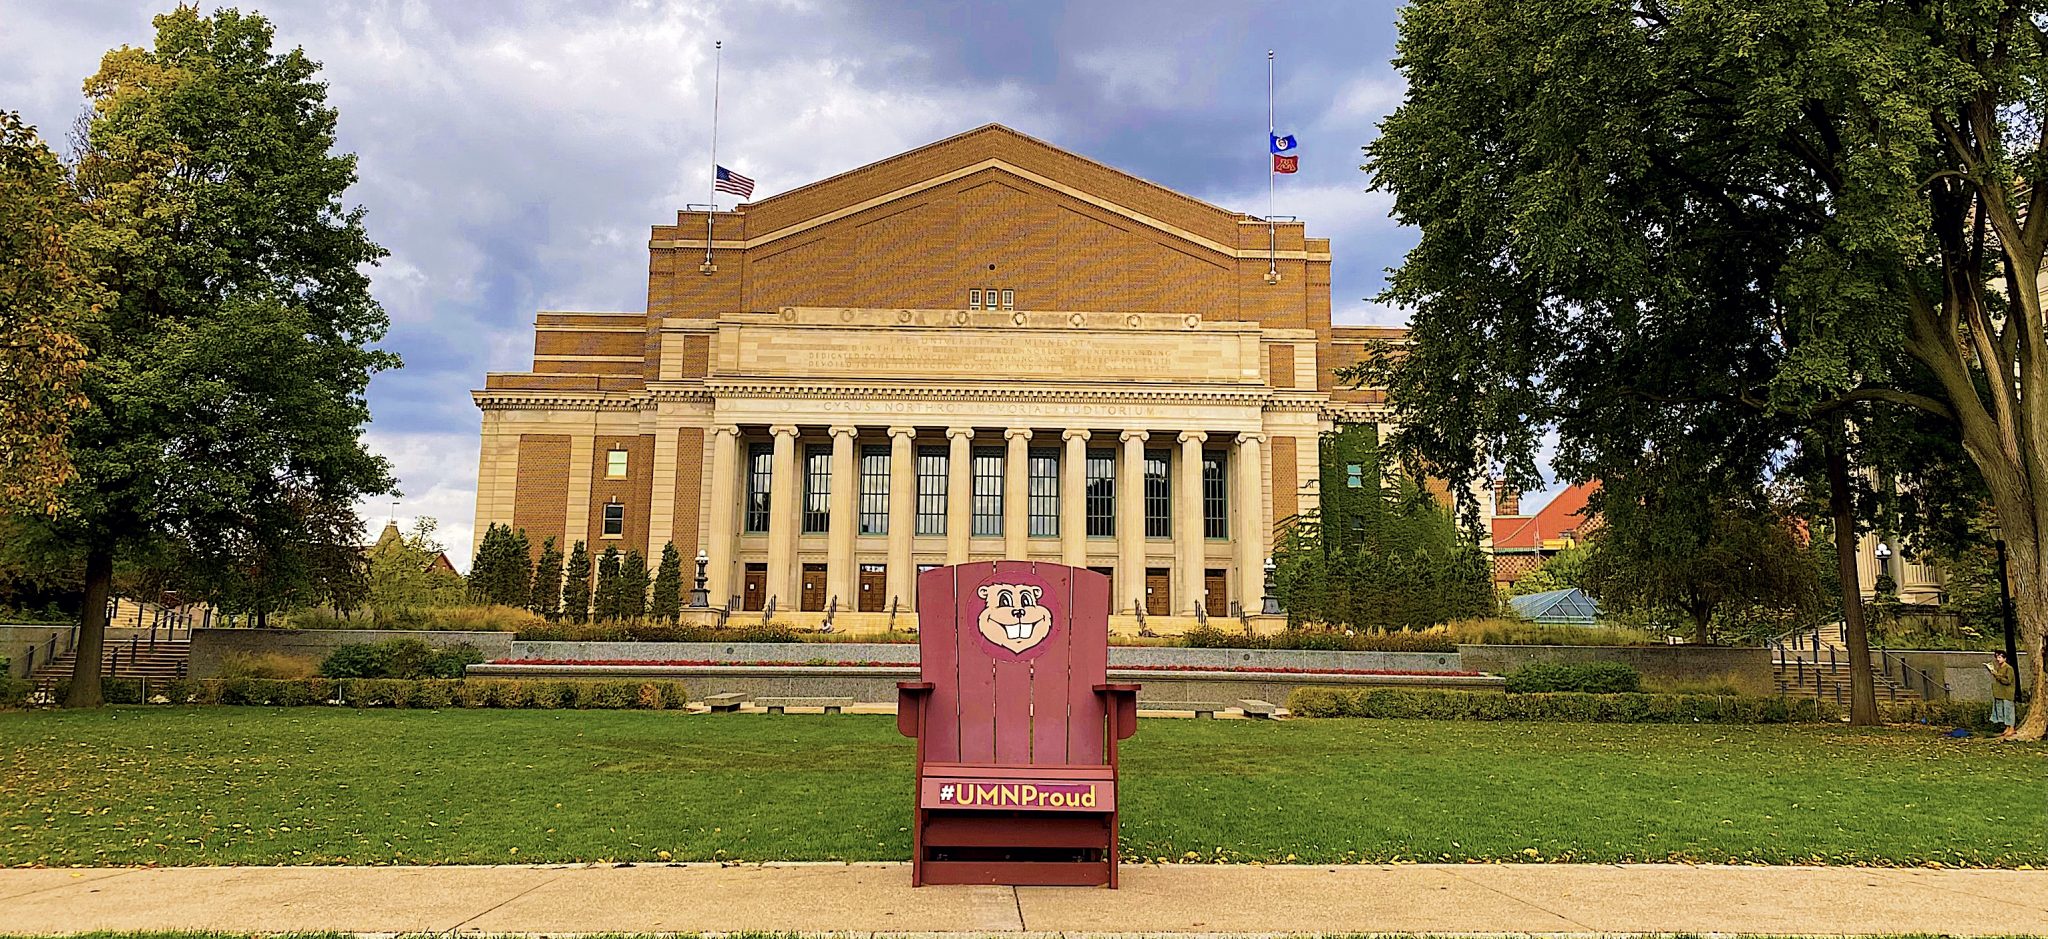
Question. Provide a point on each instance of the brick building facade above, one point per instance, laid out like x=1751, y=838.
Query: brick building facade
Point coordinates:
x=985, y=347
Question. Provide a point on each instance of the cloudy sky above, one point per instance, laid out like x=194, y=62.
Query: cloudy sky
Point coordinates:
x=515, y=152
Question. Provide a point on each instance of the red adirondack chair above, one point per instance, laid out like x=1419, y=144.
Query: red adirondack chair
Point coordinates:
x=1016, y=726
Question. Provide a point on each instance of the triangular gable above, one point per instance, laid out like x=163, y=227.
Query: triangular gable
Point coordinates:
x=993, y=147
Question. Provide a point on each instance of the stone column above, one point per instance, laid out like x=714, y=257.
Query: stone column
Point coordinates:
x=1130, y=524
x=1074, y=499
x=1249, y=539
x=1189, y=540
x=959, y=492
x=902, y=576
x=724, y=505
x=1017, y=494
x=785, y=490
x=840, y=523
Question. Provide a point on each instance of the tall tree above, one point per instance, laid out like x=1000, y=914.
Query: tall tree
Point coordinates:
x=633, y=581
x=46, y=290
x=667, y=603
x=229, y=368
x=1741, y=226
x=547, y=580
x=576, y=585
x=485, y=566
x=609, y=602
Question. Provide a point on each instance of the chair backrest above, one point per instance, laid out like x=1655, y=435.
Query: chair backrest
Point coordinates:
x=1014, y=650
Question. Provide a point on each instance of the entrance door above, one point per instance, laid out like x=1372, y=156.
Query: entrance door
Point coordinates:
x=813, y=596
x=1216, y=601
x=755, y=594
x=874, y=583
x=1158, y=592
x=1110, y=572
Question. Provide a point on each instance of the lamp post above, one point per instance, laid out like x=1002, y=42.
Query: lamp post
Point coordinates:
x=700, y=598
x=1271, y=604
x=2012, y=647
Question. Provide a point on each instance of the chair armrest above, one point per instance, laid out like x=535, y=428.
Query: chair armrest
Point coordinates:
x=1123, y=708
x=910, y=699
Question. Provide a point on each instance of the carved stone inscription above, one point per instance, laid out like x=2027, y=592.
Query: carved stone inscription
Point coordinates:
x=988, y=354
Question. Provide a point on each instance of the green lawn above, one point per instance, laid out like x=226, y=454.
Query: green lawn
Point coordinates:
x=319, y=786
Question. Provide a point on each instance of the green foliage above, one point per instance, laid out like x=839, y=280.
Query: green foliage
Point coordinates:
x=227, y=372
x=1588, y=677
x=667, y=602
x=431, y=619
x=356, y=692
x=627, y=631
x=46, y=281
x=403, y=575
x=1561, y=571
x=608, y=597
x=576, y=586
x=502, y=572
x=633, y=582
x=1564, y=706
x=399, y=658
x=1379, y=553
x=547, y=580
x=1676, y=550
x=1321, y=638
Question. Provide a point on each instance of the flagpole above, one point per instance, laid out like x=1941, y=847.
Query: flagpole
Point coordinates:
x=1272, y=229
x=717, y=67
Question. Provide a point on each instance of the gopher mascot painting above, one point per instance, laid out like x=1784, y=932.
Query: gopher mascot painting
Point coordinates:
x=1012, y=617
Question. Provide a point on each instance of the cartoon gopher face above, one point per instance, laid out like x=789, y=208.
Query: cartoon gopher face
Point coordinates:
x=1011, y=616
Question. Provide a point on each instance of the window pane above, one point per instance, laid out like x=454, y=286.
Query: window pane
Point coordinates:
x=615, y=464
x=988, y=491
x=874, y=490
x=817, y=489
x=974, y=298
x=1215, y=506
x=1009, y=299
x=931, y=490
x=1158, y=496
x=760, y=465
x=614, y=519
x=1045, y=493
x=1101, y=493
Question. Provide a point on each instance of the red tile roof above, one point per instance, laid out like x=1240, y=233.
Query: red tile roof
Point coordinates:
x=1565, y=515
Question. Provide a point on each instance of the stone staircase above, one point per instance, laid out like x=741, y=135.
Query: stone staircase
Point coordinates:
x=132, y=656
x=1816, y=664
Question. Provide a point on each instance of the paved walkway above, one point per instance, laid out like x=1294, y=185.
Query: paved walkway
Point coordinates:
x=869, y=898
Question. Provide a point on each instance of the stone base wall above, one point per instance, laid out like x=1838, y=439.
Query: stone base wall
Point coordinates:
x=210, y=647
x=1748, y=669
x=877, y=685
x=1963, y=672
x=16, y=643
x=907, y=653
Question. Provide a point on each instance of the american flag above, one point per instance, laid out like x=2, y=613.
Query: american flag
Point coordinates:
x=729, y=181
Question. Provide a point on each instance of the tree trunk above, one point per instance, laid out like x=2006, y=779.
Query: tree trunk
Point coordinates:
x=1842, y=506
x=1702, y=624
x=85, y=689
x=2030, y=608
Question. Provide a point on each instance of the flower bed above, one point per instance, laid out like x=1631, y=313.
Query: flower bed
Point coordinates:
x=703, y=663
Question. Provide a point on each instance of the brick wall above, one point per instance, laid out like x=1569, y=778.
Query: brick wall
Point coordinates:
x=1286, y=480
x=540, y=501
x=1280, y=367
x=689, y=470
x=635, y=491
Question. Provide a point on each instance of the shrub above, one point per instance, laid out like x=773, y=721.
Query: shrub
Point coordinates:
x=15, y=692
x=266, y=665
x=1517, y=632
x=618, y=631
x=1440, y=704
x=1322, y=638
x=472, y=618
x=399, y=658
x=1589, y=677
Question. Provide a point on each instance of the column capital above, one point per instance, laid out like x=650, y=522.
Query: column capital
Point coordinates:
x=1074, y=433
x=783, y=430
x=1193, y=436
x=1253, y=439
x=1130, y=435
x=902, y=431
x=843, y=430
x=730, y=430
x=1016, y=433
x=959, y=432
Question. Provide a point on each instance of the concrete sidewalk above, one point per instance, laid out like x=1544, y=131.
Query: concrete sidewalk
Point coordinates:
x=871, y=898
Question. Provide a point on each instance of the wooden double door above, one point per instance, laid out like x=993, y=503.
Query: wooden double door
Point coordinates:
x=874, y=588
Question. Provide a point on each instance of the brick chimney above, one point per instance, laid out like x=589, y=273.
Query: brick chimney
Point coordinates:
x=1507, y=500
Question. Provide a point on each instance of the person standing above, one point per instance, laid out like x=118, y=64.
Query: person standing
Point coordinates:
x=2004, y=681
